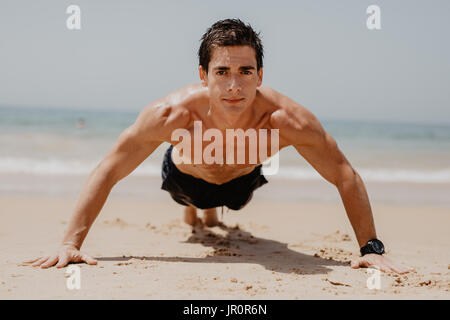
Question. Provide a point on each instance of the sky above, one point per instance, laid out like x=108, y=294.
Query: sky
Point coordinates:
x=320, y=53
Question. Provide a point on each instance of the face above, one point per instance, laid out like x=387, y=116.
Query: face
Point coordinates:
x=232, y=78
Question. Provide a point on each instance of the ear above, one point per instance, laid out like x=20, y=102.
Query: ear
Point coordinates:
x=203, y=76
x=260, y=76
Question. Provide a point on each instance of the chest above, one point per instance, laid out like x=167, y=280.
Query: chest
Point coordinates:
x=205, y=145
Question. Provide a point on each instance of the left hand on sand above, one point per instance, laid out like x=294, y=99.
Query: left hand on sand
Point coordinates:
x=380, y=262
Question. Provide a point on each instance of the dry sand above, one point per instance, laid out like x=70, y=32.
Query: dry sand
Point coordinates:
x=268, y=250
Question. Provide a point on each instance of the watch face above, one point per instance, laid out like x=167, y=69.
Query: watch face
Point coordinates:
x=377, y=246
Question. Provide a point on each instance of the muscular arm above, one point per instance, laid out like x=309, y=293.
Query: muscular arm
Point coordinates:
x=134, y=145
x=130, y=150
x=153, y=126
x=300, y=128
x=324, y=155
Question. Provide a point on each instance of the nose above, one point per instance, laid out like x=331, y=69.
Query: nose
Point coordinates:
x=234, y=86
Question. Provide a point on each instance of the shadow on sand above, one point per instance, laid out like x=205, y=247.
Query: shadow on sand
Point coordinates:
x=234, y=245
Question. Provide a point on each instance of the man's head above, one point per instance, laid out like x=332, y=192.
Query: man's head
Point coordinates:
x=230, y=64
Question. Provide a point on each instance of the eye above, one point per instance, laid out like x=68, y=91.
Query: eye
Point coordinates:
x=247, y=72
x=220, y=72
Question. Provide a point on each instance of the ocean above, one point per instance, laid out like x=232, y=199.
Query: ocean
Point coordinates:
x=45, y=141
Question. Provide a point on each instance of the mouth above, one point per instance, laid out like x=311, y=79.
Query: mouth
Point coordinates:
x=233, y=100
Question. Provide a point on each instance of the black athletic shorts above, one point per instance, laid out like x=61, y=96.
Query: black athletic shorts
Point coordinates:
x=188, y=190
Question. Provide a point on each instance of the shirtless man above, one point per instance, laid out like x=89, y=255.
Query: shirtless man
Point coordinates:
x=230, y=96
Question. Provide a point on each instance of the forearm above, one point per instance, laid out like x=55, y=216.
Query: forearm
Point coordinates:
x=91, y=200
x=356, y=202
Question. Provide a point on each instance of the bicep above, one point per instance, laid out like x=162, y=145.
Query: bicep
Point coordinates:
x=130, y=150
x=137, y=142
x=301, y=129
x=323, y=154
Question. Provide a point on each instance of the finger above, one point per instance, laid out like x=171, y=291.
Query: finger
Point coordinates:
x=88, y=259
x=40, y=261
x=50, y=262
x=360, y=263
x=355, y=263
x=401, y=269
x=383, y=267
x=404, y=269
x=394, y=267
x=63, y=261
x=380, y=264
x=30, y=261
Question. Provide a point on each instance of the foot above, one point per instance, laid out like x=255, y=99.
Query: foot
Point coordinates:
x=190, y=216
x=210, y=217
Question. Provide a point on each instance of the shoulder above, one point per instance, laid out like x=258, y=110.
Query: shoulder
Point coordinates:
x=295, y=122
x=170, y=112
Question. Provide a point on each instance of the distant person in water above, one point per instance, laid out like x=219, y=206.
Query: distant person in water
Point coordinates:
x=80, y=123
x=229, y=98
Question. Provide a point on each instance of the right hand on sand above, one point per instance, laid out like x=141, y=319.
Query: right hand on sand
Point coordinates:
x=65, y=255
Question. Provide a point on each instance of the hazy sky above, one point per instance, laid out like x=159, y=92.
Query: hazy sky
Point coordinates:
x=320, y=53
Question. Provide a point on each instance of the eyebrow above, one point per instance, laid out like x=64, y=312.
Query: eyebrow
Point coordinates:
x=240, y=68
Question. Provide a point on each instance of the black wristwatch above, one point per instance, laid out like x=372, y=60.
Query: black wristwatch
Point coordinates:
x=373, y=246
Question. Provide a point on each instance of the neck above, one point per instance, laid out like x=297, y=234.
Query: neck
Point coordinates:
x=223, y=120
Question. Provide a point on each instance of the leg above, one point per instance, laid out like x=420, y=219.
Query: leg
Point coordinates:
x=190, y=215
x=210, y=217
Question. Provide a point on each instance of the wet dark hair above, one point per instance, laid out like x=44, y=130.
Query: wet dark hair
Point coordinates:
x=229, y=32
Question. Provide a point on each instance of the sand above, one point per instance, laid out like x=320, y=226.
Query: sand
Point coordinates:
x=268, y=250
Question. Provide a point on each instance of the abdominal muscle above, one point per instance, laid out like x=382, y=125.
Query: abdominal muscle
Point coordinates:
x=215, y=173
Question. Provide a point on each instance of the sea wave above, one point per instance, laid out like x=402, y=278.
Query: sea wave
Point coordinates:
x=13, y=165
x=10, y=165
x=375, y=174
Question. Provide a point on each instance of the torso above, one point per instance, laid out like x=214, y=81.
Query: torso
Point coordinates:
x=218, y=173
